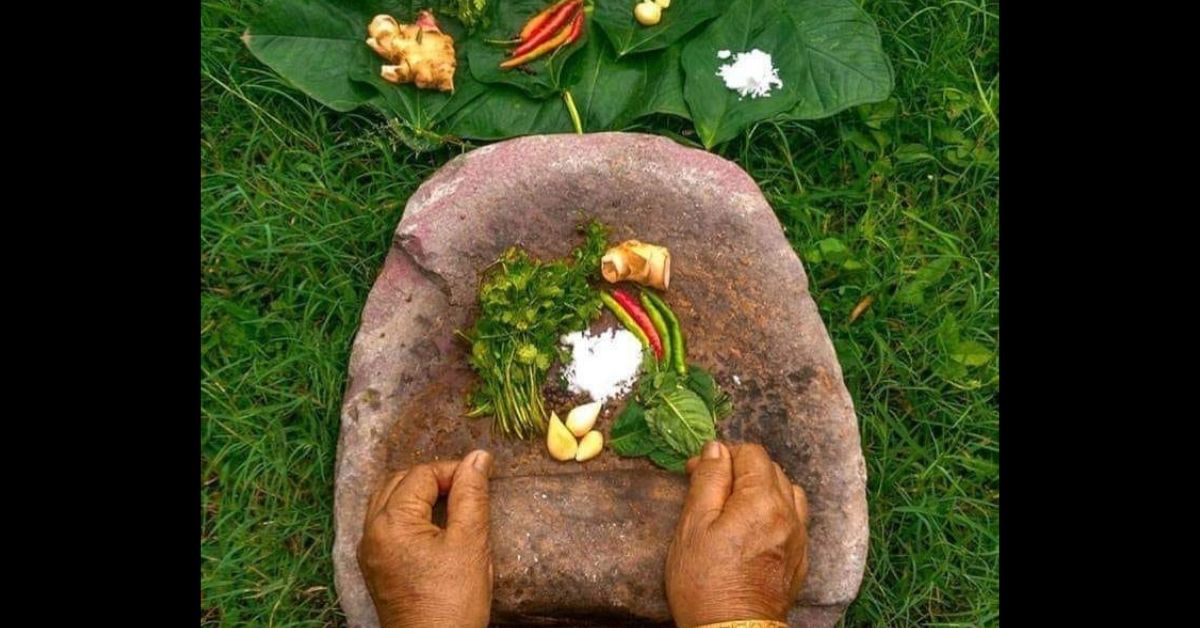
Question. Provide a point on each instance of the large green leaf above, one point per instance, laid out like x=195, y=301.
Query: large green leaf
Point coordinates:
x=312, y=43
x=320, y=47
x=540, y=78
x=602, y=86
x=718, y=112
x=615, y=18
x=611, y=92
x=663, y=89
x=828, y=54
x=847, y=66
x=502, y=111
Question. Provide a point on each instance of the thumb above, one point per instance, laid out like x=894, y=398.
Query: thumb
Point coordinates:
x=711, y=484
x=467, y=510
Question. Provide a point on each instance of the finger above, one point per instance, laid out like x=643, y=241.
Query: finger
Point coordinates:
x=691, y=464
x=381, y=496
x=413, y=498
x=781, y=480
x=801, y=573
x=467, y=510
x=754, y=481
x=711, y=483
x=800, y=500
x=753, y=471
x=783, y=488
x=444, y=470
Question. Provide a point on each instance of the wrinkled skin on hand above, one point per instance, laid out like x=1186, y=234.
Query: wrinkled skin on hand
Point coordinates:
x=740, y=549
x=422, y=575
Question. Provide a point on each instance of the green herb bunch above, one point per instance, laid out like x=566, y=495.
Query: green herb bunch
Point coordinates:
x=671, y=417
x=469, y=12
x=526, y=305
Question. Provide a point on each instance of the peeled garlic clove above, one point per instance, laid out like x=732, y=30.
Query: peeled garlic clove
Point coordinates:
x=590, y=446
x=559, y=440
x=582, y=418
x=647, y=13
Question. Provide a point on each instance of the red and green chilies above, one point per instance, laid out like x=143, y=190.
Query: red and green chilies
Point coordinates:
x=558, y=25
x=642, y=319
x=650, y=319
x=625, y=318
x=678, y=347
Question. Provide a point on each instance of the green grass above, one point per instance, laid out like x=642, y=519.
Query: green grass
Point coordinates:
x=897, y=202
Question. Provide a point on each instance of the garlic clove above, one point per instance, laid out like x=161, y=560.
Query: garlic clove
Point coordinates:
x=582, y=418
x=559, y=440
x=647, y=13
x=590, y=446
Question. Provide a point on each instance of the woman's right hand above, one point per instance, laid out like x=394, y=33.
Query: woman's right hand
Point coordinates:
x=740, y=550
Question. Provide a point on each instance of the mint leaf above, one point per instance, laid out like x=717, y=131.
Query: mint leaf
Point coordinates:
x=630, y=436
x=702, y=383
x=669, y=460
x=682, y=420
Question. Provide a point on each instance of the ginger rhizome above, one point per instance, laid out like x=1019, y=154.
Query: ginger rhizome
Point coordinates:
x=631, y=260
x=419, y=53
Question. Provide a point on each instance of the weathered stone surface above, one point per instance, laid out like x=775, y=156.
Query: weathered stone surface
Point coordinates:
x=742, y=297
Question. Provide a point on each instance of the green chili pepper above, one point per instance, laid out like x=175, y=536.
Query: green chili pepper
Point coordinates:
x=679, y=359
x=660, y=325
x=625, y=318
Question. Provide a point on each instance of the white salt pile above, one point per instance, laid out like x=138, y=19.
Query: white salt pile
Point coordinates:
x=603, y=365
x=751, y=73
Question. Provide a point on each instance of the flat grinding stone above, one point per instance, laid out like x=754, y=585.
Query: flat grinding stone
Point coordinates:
x=585, y=544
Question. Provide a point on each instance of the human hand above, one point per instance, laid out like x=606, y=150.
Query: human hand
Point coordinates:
x=740, y=549
x=422, y=575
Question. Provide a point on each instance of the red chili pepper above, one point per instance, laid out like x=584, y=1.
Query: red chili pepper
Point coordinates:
x=640, y=317
x=559, y=40
x=576, y=29
x=536, y=21
x=551, y=28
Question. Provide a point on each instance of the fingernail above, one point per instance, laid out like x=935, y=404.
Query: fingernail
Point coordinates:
x=712, y=450
x=481, y=460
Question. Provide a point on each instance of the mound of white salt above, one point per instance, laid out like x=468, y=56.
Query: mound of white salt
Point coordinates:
x=751, y=73
x=604, y=365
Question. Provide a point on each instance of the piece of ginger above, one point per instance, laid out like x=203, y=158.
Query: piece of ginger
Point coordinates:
x=420, y=53
x=631, y=260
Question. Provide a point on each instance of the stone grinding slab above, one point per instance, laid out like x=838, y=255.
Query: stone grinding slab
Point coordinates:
x=585, y=544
